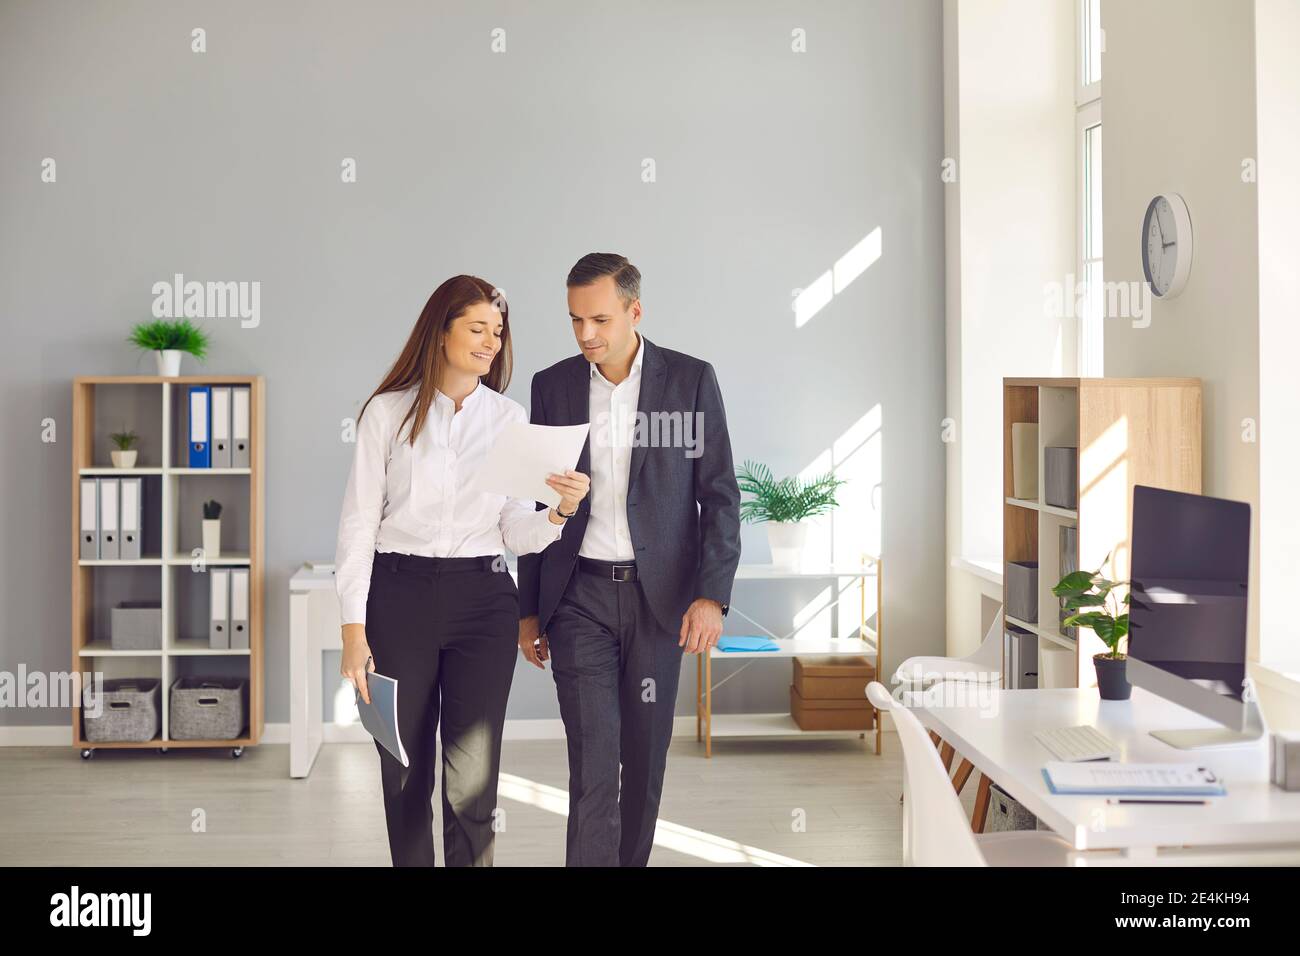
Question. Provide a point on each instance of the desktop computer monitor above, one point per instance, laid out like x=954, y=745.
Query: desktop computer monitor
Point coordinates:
x=1189, y=568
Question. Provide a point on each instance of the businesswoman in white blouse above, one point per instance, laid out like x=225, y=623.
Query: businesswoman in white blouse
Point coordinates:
x=423, y=590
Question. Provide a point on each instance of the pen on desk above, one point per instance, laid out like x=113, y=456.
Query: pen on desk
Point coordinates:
x=1193, y=802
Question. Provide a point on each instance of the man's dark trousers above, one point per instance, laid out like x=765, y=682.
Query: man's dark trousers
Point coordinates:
x=616, y=670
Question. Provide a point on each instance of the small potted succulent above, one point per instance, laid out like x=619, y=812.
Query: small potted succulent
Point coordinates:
x=123, y=455
x=785, y=505
x=212, y=529
x=168, y=340
x=1092, y=599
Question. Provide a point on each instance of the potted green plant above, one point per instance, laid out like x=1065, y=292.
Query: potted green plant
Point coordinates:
x=212, y=529
x=123, y=455
x=168, y=339
x=785, y=505
x=1091, y=597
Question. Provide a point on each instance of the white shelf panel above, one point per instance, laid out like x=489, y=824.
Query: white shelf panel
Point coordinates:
x=154, y=561
x=198, y=647
x=767, y=572
x=1028, y=503
x=225, y=558
x=770, y=725
x=1059, y=512
x=110, y=470
x=803, y=647
x=1056, y=637
x=103, y=648
x=209, y=471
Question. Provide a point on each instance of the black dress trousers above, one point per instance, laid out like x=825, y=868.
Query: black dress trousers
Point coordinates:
x=447, y=629
x=616, y=672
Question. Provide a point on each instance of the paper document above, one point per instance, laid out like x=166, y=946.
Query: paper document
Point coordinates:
x=379, y=717
x=523, y=455
x=1146, y=779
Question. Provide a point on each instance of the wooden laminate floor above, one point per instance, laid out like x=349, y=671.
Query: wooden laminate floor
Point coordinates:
x=820, y=802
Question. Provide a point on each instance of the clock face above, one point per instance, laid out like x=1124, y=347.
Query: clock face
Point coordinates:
x=1166, y=245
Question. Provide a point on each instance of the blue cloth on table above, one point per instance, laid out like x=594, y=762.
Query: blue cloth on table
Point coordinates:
x=747, y=644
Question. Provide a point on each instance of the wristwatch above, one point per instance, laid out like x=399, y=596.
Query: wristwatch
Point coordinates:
x=724, y=609
x=563, y=515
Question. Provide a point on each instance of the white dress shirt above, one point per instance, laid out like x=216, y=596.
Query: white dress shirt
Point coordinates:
x=612, y=411
x=422, y=499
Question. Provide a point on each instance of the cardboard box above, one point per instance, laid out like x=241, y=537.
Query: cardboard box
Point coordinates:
x=844, y=677
x=844, y=714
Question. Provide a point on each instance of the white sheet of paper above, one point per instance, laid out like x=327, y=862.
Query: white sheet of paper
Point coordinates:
x=524, y=454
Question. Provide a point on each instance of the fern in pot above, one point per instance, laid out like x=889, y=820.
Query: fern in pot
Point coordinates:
x=124, y=452
x=169, y=340
x=785, y=506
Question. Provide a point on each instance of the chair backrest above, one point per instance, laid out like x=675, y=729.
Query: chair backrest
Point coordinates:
x=937, y=832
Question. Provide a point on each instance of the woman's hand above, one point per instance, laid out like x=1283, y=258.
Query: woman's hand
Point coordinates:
x=356, y=660
x=572, y=487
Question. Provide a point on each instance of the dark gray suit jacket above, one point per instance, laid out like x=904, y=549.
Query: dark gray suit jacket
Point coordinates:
x=683, y=509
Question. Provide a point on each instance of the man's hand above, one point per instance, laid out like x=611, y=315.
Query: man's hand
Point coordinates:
x=701, y=625
x=531, y=644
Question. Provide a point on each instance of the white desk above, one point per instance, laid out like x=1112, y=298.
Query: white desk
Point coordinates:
x=313, y=628
x=999, y=741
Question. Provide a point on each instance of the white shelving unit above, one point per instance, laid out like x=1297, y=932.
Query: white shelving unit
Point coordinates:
x=1127, y=432
x=866, y=643
x=92, y=651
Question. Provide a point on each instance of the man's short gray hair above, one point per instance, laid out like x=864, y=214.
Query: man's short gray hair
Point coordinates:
x=596, y=265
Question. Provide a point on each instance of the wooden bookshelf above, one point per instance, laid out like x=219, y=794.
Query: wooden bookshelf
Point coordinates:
x=153, y=407
x=1128, y=432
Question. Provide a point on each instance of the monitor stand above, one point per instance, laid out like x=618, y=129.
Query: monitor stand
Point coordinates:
x=1255, y=729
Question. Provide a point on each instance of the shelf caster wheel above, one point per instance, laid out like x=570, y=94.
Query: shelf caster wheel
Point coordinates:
x=87, y=753
x=236, y=752
x=161, y=751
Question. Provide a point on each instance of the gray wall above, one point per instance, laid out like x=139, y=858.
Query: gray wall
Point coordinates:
x=225, y=166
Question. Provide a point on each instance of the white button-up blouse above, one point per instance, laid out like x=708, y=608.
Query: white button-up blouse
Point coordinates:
x=423, y=499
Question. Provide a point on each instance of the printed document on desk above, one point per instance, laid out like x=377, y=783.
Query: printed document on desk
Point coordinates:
x=523, y=455
x=1133, y=779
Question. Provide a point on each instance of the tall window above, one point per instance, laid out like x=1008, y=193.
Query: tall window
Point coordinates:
x=1087, y=103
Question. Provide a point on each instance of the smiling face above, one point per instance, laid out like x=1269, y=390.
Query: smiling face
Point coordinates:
x=602, y=324
x=474, y=338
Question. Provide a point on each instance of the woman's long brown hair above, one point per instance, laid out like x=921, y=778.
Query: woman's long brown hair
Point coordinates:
x=423, y=361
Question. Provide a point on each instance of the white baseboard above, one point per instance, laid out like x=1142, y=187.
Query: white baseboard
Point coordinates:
x=60, y=735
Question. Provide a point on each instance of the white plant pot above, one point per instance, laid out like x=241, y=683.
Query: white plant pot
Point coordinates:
x=212, y=537
x=786, y=539
x=123, y=459
x=169, y=362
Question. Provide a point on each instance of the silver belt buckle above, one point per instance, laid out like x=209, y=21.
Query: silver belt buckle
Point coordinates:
x=621, y=567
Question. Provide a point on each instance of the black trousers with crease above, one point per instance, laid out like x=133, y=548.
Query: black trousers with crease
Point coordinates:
x=447, y=629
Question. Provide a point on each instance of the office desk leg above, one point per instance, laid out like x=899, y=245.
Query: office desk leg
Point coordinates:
x=708, y=703
x=981, y=812
x=699, y=699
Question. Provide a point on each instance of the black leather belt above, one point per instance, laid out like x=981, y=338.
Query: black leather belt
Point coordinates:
x=419, y=562
x=609, y=570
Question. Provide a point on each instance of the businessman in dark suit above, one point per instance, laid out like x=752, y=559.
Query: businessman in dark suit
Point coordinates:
x=644, y=567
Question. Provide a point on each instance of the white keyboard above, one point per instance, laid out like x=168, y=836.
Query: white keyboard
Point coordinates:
x=1078, y=743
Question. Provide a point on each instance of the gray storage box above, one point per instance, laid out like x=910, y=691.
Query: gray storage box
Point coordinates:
x=135, y=626
x=129, y=709
x=1006, y=814
x=207, y=708
x=1022, y=590
x=1061, y=477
